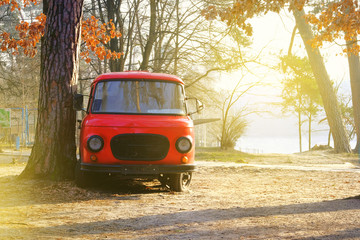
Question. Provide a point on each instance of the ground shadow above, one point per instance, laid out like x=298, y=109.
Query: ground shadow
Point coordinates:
x=199, y=217
x=353, y=233
x=251, y=232
x=22, y=192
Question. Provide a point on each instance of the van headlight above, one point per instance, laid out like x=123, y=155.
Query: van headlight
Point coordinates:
x=183, y=145
x=95, y=143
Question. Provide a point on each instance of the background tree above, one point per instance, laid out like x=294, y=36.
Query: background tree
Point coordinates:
x=184, y=45
x=233, y=122
x=239, y=14
x=19, y=76
x=331, y=106
x=300, y=92
x=341, y=20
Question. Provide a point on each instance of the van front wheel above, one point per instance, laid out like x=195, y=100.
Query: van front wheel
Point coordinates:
x=179, y=182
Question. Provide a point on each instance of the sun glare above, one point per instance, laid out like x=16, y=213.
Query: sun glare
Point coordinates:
x=271, y=39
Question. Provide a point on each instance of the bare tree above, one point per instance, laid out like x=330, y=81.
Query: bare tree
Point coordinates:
x=233, y=122
x=300, y=92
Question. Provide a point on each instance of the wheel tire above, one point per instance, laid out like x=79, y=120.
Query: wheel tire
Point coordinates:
x=180, y=182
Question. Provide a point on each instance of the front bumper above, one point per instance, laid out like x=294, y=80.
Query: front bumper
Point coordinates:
x=148, y=169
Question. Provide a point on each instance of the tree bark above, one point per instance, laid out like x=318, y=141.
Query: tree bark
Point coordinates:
x=152, y=37
x=354, y=70
x=176, y=38
x=54, y=153
x=341, y=141
x=292, y=40
x=116, y=44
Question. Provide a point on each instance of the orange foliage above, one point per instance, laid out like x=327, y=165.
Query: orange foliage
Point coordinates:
x=337, y=20
x=94, y=34
x=242, y=10
x=15, y=5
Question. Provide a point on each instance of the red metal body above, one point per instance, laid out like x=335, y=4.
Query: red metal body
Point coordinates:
x=109, y=125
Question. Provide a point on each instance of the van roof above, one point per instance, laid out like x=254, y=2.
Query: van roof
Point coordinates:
x=132, y=75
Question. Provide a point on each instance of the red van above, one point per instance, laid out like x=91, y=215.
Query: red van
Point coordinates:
x=137, y=125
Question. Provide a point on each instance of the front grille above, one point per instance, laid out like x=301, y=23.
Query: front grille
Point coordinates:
x=147, y=147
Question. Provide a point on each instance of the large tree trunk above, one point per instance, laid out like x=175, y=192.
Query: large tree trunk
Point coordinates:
x=54, y=153
x=341, y=141
x=354, y=69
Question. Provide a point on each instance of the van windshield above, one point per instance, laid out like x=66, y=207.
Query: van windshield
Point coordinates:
x=139, y=97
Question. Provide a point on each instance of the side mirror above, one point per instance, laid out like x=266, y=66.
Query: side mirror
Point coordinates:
x=199, y=106
x=78, y=100
x=194, y=105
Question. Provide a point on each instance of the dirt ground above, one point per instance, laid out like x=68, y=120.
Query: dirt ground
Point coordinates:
x=320, y=200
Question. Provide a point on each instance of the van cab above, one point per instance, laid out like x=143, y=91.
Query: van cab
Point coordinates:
x=137, y=125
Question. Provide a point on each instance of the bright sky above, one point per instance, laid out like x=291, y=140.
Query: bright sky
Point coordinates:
x=272, y=33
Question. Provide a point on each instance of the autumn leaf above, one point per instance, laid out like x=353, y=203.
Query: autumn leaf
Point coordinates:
x=95, y=35
x=337, y=19
x=340, y=19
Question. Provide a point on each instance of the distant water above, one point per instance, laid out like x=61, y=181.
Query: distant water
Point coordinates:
x=281, y=144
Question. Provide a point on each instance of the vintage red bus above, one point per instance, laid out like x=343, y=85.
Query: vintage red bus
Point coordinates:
x=137, y=125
